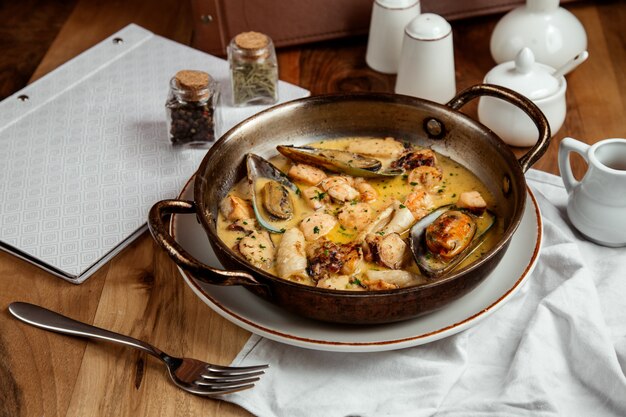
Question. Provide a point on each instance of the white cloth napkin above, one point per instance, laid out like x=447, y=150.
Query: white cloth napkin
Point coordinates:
x=557, y=348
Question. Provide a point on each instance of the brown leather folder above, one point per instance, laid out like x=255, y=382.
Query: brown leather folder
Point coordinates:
x=293, y=22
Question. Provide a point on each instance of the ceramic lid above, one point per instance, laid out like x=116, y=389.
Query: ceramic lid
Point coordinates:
x=428, y=27
x=524, y=75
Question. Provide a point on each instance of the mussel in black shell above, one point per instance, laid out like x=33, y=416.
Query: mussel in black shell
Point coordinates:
x=338, y=161
x=270, y=190
x=443, y=239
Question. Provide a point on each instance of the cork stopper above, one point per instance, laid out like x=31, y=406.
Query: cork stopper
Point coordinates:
x=192, y=80
x=251, y=40
x=194, y=83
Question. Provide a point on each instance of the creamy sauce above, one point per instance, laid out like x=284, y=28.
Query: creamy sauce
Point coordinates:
x=456, y=179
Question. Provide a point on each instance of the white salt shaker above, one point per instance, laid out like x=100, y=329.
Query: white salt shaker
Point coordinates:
x=426, y=67
x=389, y=17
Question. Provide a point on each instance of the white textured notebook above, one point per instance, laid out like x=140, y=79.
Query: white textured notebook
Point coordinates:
x=84, y=151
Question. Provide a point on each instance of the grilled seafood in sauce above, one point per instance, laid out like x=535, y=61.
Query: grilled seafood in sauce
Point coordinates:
x=350, y=233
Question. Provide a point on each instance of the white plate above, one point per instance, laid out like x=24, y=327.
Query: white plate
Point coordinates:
x=241, y=307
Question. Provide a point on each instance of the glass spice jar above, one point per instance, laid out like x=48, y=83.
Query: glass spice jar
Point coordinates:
x=191, y=107
x=254, y=70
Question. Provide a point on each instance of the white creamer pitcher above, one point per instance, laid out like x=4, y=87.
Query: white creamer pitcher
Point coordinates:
x=597, y=204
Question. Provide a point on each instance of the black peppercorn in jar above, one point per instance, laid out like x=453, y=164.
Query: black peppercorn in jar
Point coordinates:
x=253, y=69
x=192, y=112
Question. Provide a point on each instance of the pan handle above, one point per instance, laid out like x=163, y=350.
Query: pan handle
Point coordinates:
x=199, y=270
x=513, y=97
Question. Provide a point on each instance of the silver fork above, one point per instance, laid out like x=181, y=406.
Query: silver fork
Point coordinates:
x=192, y=375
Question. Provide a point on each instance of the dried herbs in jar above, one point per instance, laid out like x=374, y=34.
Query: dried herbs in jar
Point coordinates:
x=254, y=70
x=192, y=116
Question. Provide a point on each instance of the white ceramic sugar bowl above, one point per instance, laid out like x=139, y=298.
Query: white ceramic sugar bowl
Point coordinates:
x=533, y=80
x=553, y=33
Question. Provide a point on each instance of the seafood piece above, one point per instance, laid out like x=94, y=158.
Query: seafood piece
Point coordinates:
x=426, y=176
x=315, y=198
x=447, y=236
x=388, y=250
x=450, y=234
x=352, y=258
x=327, y=258
x=306, y=174
x=378, y=285
x=339, y=188
x=291, y=263
x=472, y=201
x=244, y=225
x=415, y=158
x=258, y=249
x=337, y=161
x=378, y=148
x=235, y=208
x=368, y=193
x=386, y=279
x=401, y=221
x=274, y=202
x=377, y=224
x=340, y=282
x=419, y=202
x=317, y=225
x=355, y=216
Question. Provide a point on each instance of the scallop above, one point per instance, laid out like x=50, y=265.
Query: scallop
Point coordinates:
x=338, y=161
x=273, y=203
x=443, y=239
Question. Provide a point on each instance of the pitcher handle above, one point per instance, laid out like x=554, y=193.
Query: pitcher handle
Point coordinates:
x=515, y=98
x=566, y=146
x=199, y=270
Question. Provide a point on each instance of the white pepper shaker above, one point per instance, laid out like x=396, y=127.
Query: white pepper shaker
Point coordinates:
x=426, y=67
x=389, y=17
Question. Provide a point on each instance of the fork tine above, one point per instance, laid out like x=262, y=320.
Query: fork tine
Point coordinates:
x=235, y=369
x=226, y=384
x=227, y=380
x=213, y=392
x=219, y=376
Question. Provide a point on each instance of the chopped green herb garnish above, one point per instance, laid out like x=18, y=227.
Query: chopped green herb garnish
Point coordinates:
x=316, y=230
x=319, y=196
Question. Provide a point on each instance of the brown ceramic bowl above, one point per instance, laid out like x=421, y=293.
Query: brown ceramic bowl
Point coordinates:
x=441, y=127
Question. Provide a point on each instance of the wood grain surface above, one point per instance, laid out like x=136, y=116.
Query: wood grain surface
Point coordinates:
x=140, y=291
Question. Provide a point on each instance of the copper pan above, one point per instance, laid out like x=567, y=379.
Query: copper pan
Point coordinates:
x=442, y=127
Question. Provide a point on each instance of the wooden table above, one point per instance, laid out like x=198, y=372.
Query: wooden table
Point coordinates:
x=140, y=291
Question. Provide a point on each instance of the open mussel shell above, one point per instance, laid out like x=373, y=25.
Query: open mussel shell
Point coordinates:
x=437, y=253
x=270, y=190
x=338, y=161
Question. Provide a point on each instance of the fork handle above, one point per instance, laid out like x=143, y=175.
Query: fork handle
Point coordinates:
x=55, y=322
